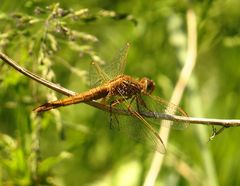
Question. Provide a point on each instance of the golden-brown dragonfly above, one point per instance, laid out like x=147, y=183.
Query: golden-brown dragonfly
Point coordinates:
x=112, y=87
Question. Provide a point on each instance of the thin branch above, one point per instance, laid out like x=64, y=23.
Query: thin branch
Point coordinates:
x=35, y=77
x=156, y=115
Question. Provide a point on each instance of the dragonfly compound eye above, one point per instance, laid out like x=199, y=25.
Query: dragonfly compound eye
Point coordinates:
x=148, y=85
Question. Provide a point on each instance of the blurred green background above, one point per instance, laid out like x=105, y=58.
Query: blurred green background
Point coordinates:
x=74, y=145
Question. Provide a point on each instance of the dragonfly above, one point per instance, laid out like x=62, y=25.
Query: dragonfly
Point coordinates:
x=111, y=87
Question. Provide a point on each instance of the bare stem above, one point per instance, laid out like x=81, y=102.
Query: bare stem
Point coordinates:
x=160, y=116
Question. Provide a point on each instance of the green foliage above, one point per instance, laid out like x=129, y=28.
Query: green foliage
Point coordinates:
x=73, y=145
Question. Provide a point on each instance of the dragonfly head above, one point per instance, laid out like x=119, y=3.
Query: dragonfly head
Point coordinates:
x=148, y=85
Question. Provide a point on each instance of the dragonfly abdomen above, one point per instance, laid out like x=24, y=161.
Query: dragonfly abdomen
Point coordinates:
x=90, y=95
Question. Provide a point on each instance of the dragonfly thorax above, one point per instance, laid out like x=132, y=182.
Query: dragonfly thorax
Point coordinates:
x=148, y=85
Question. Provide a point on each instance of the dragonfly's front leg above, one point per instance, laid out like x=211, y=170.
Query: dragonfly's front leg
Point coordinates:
x=141, y=102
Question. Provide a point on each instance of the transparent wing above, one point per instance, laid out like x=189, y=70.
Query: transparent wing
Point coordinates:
x=136, y=127
x=149, y=103
x=117, y=65
x=99, y=74
x=137, y=130
x=140, y=128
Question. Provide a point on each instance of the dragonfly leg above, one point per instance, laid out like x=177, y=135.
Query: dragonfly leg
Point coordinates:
x=140, y=101
x=112, y=104
x=111, y=118
x=119, y=101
